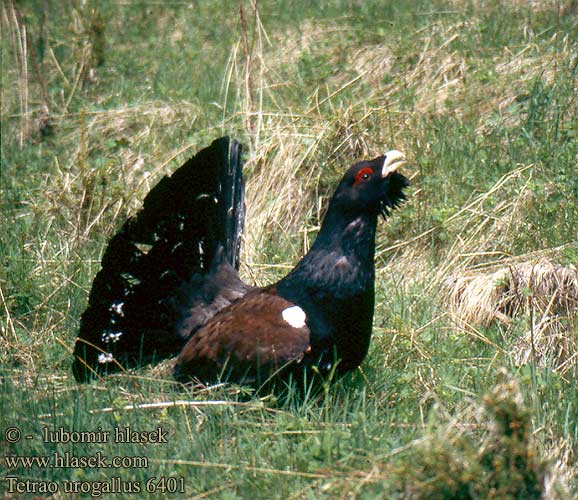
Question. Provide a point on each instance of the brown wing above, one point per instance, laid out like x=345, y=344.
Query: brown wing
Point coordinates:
x=250, y=340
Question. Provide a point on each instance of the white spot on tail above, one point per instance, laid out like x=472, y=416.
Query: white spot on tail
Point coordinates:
x=116, y=307
x=105, y=357
x=295, y=316
x=108, y=336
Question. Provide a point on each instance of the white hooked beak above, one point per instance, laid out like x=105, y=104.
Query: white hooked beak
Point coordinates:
x=393, y=160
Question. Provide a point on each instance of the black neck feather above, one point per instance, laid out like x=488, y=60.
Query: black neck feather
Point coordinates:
x=341, y=258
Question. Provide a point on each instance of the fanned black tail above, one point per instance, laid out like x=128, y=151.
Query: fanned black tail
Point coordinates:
x=169, y=268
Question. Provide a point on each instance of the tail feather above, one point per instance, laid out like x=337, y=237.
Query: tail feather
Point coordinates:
x=156, y=267
x=234, y=195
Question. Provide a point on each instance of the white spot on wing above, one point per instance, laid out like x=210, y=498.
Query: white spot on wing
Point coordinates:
x=295, y=316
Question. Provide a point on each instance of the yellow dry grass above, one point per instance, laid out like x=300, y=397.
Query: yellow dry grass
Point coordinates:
x=544, y=292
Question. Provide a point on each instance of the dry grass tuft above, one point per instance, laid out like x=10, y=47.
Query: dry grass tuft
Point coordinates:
x=547, y=293
x=482, y=299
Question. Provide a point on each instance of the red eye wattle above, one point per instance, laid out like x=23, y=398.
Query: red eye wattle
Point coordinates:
x=363, y=175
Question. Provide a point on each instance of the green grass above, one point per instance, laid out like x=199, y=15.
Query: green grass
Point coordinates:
x=480, y=96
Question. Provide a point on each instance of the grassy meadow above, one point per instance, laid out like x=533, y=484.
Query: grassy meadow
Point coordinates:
x=470, y=389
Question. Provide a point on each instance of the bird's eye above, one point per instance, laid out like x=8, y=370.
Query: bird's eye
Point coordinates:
x=363, y=175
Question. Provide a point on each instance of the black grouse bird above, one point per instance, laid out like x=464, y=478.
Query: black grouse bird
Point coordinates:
x=169, y=283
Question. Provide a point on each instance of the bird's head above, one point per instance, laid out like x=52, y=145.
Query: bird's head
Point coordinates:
x=374, y=185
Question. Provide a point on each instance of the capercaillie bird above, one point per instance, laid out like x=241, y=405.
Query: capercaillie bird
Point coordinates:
x=169, y=285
